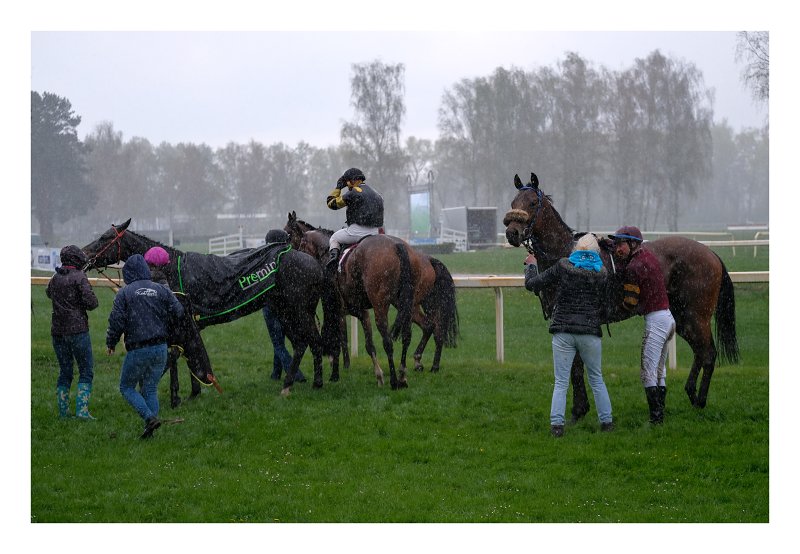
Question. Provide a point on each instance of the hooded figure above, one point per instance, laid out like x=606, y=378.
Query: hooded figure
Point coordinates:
x=72, y=297
x=143, y=311
x=184, y=336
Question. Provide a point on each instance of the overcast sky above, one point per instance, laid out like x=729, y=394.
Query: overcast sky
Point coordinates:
x=217, y=87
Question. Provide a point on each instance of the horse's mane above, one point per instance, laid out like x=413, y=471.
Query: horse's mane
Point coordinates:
x=558, y=215
x=313, y=228
x=158, y=243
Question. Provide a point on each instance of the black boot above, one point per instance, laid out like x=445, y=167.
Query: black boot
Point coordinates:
x=151, y=425
x=334, y=257
x=654, y=402
x=662, y=397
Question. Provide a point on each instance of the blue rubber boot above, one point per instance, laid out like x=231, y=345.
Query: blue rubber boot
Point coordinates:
x=62, y=397
x=82, y=402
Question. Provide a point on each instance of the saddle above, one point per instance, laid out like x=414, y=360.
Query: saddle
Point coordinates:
x=347, y=250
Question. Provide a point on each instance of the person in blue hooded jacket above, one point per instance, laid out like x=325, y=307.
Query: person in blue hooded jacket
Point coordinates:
x=143, y=311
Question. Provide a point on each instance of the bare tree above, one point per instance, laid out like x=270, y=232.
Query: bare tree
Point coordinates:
x=372, y=139
x=753, y=49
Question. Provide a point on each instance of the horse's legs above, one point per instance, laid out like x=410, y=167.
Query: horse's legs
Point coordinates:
x=406, y=342
x=427, y=331
x=316, y=352
x=705, y=355
x=437, y=355
x=382, y=323
x=580, y=400
x=369, y=345
x=174, y=385
x=343, y=343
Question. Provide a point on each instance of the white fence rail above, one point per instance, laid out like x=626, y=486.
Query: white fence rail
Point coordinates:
x=500, y=282
x=222, y=246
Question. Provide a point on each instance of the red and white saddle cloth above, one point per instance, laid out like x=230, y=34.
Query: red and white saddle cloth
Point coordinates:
x=346, y=252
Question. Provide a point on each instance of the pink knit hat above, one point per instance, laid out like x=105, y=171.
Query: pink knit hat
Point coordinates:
x=156, y=256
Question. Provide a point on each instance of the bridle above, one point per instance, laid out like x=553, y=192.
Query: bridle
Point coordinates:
x=529, y=240
x=93, y=260
x=118, y=236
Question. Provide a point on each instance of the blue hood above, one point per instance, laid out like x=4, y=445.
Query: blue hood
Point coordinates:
x=135, y=269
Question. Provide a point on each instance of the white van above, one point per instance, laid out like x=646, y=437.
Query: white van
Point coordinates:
x=42, y=256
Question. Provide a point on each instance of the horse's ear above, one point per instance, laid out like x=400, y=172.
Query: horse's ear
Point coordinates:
x=534, y=180
x=292, y=216
x=124, y=226
x=517, y=181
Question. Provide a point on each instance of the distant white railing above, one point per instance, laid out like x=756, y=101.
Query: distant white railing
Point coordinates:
x=222, y=246
x=499, y=282
x=459, y=238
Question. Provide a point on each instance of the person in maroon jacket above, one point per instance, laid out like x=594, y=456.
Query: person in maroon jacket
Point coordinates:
x=72, y=296
x=646, y=294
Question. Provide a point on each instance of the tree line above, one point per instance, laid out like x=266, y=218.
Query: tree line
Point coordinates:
x=635, y=146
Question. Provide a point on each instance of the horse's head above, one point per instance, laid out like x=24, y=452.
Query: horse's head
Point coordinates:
x=294, y=230
x=522, y=220
x=204, y=376
x=108, y=249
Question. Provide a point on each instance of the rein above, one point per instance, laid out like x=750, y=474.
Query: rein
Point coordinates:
x=116, y=240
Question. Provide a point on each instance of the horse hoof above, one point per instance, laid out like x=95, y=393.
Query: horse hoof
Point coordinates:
x=434, y=370
x=334, y=378
x=402, y=385
x=419, y=368
x=317, y=384
x=175, y=403
x=286, y=391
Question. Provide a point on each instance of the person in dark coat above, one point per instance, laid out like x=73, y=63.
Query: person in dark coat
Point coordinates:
x=575, y=324
x=72, y=297
x=364, y=214
x=281, y=358
x=184, y=336
x=143, y=311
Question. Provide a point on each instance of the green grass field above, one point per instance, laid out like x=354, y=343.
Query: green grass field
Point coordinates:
x=469, y=444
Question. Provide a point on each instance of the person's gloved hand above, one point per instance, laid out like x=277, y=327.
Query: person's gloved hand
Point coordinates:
x=340, y=184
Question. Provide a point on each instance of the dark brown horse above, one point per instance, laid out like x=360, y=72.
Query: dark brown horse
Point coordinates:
x=698, y=286
x=293, y=298
x=434, y=306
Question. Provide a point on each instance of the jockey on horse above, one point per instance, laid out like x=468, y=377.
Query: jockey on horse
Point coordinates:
x=364, y=214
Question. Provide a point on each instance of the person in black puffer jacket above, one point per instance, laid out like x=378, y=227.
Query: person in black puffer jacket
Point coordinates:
x=72, y=296
x=575, y=324
x=143, y=310
x=364, y=214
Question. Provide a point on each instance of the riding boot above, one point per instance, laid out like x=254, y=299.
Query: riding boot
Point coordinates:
x=62, y=397
x=662, y=397
x=654, y=402
x=334, y=257
x=82, y=401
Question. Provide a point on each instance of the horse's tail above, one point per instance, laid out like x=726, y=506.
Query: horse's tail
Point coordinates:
x=405, y=297
x=726, y=319
x=332, y=314
x=441, y=303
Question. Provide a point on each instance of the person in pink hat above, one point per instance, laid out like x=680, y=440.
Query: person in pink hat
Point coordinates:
x=184, y=336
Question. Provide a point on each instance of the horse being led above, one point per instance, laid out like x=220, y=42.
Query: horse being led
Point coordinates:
x=434, y=304
x=293, y=297
x=698, y=287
